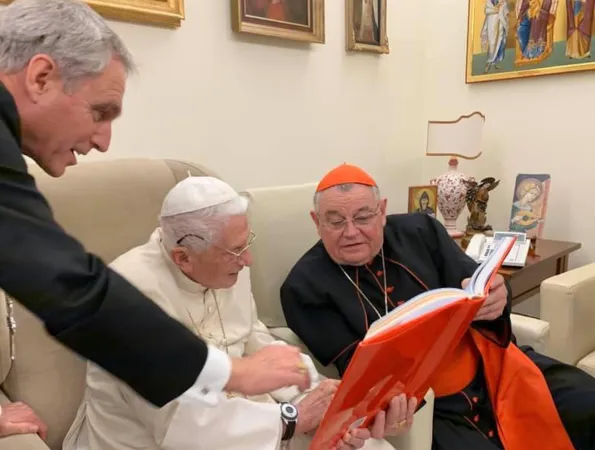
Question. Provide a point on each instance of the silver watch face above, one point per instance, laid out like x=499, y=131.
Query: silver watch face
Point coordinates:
x=289, y=411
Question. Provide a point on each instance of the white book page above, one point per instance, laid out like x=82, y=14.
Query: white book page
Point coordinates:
x=416, y=307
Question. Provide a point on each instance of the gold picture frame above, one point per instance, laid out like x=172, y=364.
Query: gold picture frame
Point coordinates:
x=163, y=13
x=553, y=41
x=296, y=20
x=377, y=39
x=423, y=199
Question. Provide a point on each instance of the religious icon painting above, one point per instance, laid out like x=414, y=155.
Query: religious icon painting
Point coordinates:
x=366, y=26
x=525, y=38
x=529, y=204
x=297, y=20
x=423, y=199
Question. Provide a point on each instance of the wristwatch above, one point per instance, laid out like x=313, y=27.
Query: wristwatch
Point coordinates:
x=289, y=416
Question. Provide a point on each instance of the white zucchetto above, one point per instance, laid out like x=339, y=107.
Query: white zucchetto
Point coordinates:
x=196, y=193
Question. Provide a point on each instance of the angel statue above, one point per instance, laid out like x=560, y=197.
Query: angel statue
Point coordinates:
x=477, y=203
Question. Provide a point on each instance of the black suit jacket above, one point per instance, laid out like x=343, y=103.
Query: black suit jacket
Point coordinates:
x=85, y=305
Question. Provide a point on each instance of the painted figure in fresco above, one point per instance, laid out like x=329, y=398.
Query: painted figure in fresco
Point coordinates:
x=366, y=20
x=495, y=31
x=578, y=28
x=424, y=205
x=291, y=11
x=527, y=210
x=535, y=30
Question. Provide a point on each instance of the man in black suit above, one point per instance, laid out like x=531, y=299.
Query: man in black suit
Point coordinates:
x=62, y=78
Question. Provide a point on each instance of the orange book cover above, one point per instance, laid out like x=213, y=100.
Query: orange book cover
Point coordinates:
x=402, y=351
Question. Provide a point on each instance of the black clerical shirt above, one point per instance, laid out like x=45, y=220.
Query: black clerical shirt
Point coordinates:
x=85, y=305
x=331, y=316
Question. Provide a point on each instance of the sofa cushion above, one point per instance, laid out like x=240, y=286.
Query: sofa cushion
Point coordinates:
x=279, y=215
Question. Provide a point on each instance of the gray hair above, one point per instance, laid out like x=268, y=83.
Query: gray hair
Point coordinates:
x=69, y=31
x=345, y=188
x=206, y=223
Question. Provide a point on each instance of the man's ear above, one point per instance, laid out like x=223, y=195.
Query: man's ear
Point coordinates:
x=42, y=76
x=383, y=203
x=316, y=220
x=179, y=256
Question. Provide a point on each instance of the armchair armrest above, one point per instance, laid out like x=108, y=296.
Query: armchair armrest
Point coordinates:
x=567, y=303
x=531, y=331
x=23, y=442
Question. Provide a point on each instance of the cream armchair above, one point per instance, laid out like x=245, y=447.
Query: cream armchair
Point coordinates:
x=280, y=216
x=110, y=206
x=568, y=304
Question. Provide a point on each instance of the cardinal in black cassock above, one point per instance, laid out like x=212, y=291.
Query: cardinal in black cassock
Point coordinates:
x=490, y=394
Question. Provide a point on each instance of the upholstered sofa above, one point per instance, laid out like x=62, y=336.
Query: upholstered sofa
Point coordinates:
x=112, y=206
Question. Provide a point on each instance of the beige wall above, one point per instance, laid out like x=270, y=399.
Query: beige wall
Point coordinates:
x=534, y=125
x=263, y=112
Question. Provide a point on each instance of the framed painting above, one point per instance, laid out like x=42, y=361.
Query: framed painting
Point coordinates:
x=529, y=204
x=423, y=199
x=366, y=26
x=165, y=13
x=297, y=20
x=525, y=38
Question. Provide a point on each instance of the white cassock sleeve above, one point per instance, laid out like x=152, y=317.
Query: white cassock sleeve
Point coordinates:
x=232, y=424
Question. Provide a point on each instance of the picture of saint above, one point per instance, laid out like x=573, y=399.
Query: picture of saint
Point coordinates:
x=424, y=204
x=423, y=199
x=529, y=204
x=366, y=21
x=286, y=11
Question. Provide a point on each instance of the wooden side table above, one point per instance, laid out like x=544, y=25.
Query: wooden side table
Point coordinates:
x=549, y=258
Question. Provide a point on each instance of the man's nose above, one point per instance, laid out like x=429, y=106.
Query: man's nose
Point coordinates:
x=246, y=258
x=102, y=137
x=350, y=229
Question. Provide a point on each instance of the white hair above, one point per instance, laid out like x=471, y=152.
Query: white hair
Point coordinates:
x=344, y=188
x=206, y=223
x=69, y=31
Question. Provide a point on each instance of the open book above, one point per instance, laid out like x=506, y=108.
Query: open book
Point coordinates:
x=402, y=351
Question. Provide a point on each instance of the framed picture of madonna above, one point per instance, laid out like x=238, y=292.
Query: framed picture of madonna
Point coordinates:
x=296, y=20
x=526, y=38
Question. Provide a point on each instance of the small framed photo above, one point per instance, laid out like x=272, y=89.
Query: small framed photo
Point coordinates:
x=366, y=26
x=296, y=20
x=423, y=199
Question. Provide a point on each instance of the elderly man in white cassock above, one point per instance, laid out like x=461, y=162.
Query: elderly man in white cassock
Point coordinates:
x=194, y=266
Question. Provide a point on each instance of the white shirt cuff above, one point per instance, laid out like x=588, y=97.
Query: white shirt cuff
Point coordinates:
x=212, y=379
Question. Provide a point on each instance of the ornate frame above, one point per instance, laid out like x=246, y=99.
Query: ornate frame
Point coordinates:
x=241, y=24
x=164, y=13
x=470, y=78
x=352, y=44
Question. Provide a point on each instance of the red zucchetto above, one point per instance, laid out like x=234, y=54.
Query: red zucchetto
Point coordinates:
x=345, y=174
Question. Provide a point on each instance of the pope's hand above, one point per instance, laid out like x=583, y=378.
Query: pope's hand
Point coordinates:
x=312, y=407
x=269, y=369
x=396, y=420
x=18, y=418
x=494, y=304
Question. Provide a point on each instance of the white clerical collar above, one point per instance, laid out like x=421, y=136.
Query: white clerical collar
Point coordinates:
x=182, y=280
